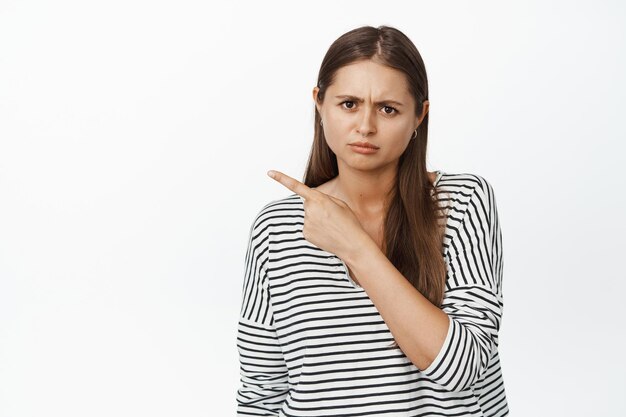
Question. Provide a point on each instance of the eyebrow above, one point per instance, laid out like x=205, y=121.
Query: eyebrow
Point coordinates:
x=360, y=100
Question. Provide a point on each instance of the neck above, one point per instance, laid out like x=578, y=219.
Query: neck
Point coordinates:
x=365, y=191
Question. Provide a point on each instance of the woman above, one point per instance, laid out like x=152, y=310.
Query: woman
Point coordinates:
x=375, y=288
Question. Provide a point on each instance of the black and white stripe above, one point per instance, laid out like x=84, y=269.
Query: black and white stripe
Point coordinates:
x=311, y=342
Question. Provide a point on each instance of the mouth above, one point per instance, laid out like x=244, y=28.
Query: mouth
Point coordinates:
x=364, y=145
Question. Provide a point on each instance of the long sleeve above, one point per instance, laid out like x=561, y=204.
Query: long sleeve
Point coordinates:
x=264, y=385
x=473, y=298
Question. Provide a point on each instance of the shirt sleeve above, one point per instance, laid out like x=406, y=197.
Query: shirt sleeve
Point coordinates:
x=263, y=383
x=473, y=297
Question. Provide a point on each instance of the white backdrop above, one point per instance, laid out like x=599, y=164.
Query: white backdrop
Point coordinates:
x=134, y=141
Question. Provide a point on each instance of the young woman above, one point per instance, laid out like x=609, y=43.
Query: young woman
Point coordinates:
x=375, y=288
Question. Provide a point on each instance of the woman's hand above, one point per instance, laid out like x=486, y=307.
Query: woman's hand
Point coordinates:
x=329, y=223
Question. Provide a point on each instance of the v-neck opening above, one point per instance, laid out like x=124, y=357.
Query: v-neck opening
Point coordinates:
x=346, y=271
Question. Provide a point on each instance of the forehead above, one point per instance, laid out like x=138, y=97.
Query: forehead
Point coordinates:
x=366, y=78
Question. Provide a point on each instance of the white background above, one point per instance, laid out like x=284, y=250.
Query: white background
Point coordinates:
x=134, y=141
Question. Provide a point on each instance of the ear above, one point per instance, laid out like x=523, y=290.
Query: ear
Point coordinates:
x=425, y=106
x=316, y=90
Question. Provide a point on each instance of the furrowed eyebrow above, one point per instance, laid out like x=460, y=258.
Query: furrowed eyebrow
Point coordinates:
x=360, y=100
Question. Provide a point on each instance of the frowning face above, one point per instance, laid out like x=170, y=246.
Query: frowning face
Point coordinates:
x=368, y=102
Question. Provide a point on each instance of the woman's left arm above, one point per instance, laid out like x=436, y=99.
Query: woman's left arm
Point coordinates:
x=452, y=345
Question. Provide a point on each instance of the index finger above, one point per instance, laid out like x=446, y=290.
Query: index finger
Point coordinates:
x=291, y=183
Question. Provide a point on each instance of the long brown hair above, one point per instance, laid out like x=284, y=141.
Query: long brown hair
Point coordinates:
x=413, y=230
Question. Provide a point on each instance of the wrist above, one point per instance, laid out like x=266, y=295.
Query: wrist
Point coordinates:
x=363, y=248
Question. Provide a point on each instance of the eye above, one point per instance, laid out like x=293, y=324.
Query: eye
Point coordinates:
x=348, y=101
x=392, y=108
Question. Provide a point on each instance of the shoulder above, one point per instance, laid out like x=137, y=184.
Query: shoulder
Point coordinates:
x=470, y=203
x=463, y=191
x=468, y=182
x=277, y=211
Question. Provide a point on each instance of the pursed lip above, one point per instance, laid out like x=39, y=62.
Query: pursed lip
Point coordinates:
x=364, y=145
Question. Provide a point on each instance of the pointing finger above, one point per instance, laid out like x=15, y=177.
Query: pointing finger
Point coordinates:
x=292, y=183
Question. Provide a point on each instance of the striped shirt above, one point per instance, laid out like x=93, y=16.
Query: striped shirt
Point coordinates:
x=312, y=343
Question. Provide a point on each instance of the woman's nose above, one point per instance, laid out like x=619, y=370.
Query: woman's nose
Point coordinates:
x=366, y=126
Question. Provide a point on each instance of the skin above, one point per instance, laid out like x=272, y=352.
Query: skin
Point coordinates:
x=344, y=215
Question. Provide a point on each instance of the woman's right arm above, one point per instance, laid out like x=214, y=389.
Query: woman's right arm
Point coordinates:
x=264, y=384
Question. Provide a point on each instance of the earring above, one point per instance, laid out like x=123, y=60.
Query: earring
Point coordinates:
x=414, y=134
x=321, y=122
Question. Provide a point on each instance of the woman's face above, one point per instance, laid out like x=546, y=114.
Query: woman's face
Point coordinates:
x=368, y=102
